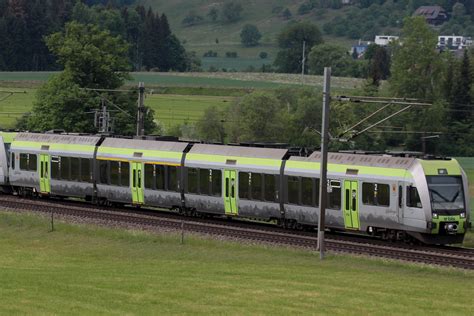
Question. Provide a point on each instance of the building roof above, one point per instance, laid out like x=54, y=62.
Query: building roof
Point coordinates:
x=431, y=11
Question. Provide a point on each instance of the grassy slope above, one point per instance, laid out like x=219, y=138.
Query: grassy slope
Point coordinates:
x=201, y=38
x=83, y=270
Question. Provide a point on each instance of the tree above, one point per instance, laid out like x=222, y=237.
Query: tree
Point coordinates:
x=213, y=14
x=286, y=14
x=416, y=68
x=290, y=41
x=329, y=55
x=231, y=11
x=211, y=127
x=192, y=19
x=379, y=65
x=461, y=94
x=91, y=59
x=250, y=35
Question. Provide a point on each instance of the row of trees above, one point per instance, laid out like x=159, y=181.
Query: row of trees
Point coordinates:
x=24, y=25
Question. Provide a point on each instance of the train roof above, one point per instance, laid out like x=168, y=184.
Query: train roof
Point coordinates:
x=360, y=160
x=238, y=151
x=58, y=138
x=140, y=144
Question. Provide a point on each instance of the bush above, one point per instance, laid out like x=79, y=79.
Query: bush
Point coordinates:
x=231, y=54
x=210, y=53
x=263, y=55
x=192, y=19
x=305, y=8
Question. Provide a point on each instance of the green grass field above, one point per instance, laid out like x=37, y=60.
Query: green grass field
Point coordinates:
x=86, y=270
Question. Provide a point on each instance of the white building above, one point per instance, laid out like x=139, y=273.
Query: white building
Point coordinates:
x=454, y=42
x=384, y=40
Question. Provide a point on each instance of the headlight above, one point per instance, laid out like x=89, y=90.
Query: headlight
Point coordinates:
x=435, y=215
x=463, y=215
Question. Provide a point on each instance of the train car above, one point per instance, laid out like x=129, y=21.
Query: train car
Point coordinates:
x=53, y=164
x=234, y=180
x=391, y=197
x=139, y=172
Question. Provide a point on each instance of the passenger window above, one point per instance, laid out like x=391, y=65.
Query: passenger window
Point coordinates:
x=376, y=194
x=55, y=167
x=75, y=169
x=270, y=188
x=125, y=174
x=103, y=172
x=400, y=196
x=65, y=168
x=160, y=177
x=172, y=178
x=216, y=177
x=334, y=198
x=244, y=185
x=114, y=173
x=149, y=176
x=307, y=191
x=192, y=180
x=86, y=174
x=204, y=181
x=293, y=190
x=32, y=163
x=12, y=163
x=413, y=198
x=24, y=162
x=256, y=186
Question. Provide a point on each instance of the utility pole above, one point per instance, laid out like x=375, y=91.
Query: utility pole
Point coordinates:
x=323, y=189
x=141, y=109
x=303, y=61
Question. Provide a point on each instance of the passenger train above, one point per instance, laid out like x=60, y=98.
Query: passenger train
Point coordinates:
x=393, y=197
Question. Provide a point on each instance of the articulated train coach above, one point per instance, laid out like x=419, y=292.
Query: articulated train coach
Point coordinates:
x=389, y=196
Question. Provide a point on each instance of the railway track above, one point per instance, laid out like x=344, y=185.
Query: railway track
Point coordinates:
x=445, y=256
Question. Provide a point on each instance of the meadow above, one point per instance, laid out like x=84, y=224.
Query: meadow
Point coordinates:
x=89, y=270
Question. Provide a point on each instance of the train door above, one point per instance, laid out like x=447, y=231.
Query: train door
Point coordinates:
x=137, y=182
x=45, y=184
x=351, y=205
x=230, y=192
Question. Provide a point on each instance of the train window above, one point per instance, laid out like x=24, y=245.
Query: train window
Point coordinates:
x=32, y=163
x=149, y=176
x=270, y=187
x=103, y=172
x=65, y=168
x=204, y=181
x=216, y=178
x=23, y=161
x=256, y=186
x=75, y=169
x=316, y=189
x=192, y=180
x=125, y=174
x=376, y=194
x=172, y=178
x=334, y=198
x=413, y=198
x=12, y=163
x=115, y=173
x=307, y=191
x=400, y=196
x=85, y=170
x=244, y=185
x=293, y=190
x=160, y=177
x=55, y=160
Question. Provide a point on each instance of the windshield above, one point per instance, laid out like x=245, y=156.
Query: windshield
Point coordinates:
x=446, y=192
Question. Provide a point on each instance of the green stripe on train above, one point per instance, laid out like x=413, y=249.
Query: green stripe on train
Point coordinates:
x=8, y=137
x=239, y=160
x=129, y=152
x=435, y=167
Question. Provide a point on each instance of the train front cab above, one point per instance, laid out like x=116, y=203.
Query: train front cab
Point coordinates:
x=445, y=198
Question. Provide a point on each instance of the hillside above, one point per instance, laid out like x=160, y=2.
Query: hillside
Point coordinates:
x=344, y=25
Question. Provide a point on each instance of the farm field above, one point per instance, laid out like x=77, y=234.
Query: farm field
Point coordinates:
x=169, y=109
x=87, y=270
x=198, y=79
